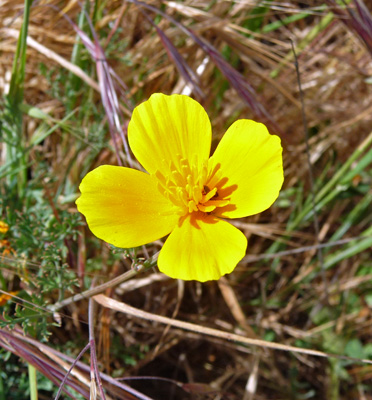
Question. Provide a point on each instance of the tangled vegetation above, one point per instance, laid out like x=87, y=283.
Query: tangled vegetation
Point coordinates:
x=293, y=320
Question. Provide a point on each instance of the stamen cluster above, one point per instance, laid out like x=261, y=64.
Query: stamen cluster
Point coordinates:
x=190, y=188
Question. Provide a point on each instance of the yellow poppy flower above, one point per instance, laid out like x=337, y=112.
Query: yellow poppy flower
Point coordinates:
x=4, y=227
x=185, y=193
x=4, y=297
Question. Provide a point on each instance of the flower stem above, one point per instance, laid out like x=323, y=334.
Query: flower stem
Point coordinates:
x=136, y=268
x=33, y=382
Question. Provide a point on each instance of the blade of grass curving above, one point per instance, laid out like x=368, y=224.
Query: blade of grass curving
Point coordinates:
x=13, y=116
x=36, y=139
x=137, y=313
x=363, y=206
x=236, y=80
x=107, y=88
x=351, y=249
x=94, y=371
x=61, y=386
x=311, y=175
x=32, y=356
x=16, y=87
x=40, y=350
x=183, y=68
x=272, y=26
x=57, y=58
x=240, y=84
x=73, y=82
x=116, y=24
x=313, y=33
x=331, y=189
x=364, y=20
x=108, y=94
x=358, y=20
x=333, y=185
x=299, y=250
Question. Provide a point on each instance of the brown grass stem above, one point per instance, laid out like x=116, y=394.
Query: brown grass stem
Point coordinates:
x=137, y=313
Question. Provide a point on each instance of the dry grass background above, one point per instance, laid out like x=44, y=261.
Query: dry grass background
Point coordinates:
x=282, y=298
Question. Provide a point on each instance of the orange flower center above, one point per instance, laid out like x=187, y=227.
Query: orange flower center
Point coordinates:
x=190, y=188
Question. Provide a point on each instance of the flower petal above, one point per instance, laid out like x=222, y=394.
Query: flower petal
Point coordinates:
x=251, y=159
x=124, y=207
x=164, y=129
x=202, y=249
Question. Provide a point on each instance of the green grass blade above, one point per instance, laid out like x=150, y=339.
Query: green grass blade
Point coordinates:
x=33, y=382
x=351, y=249
x=330, y=188
x=19, y=64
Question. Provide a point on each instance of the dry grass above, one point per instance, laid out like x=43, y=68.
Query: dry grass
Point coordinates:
x=280, y=299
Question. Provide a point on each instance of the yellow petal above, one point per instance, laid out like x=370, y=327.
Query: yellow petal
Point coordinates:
x=251, y=159
x=202, y=249
x=165, y=129
x=124, y=207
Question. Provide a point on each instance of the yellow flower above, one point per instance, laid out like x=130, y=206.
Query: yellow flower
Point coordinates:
x=7, y=248
x=185, y=193
x=4, y=297
x=4, y=227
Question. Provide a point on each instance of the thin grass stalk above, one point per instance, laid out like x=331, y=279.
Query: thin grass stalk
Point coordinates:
x=94, y=371
x=106, y=86
x=51, y=371
x=38, y=352
x=237, y=81
x=330, y=190
x=63, y=383
x=352, y=248
x=33, y=382
x=14, y=148
x=16, y=87
x=137, y=313
x=183, y=68
x=332, y=183
x=299, y=250
x=311, y=176
x=358, y=20
x=351, y=219
x=73, y=81
x=6, y=169
x=2, y=389
x=108, y=93
x=321, y=26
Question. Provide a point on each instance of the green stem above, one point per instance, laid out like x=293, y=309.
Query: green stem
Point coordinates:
x=19, y=63
x=332, y=183
x=33, y=382
x=2, y=389
x=139, y=267
x=14, y=98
